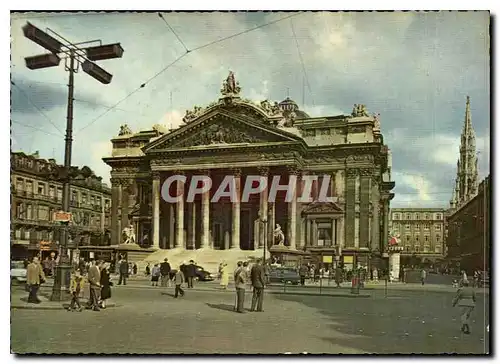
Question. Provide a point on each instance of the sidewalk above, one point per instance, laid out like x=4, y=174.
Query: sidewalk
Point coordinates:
x=19, y=300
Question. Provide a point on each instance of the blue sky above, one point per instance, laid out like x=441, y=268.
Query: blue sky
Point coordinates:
x=415, y=69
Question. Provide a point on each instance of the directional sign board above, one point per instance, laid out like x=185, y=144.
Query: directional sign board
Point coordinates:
x=61, y=216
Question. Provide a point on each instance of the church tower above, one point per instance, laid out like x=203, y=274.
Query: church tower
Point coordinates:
x=466, y=181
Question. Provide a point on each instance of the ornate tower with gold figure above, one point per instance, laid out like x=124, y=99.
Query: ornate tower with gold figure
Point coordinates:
x=466, y=182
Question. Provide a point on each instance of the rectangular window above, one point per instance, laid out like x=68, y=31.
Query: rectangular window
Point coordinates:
x=426, y=248
x=41, y=188
x=438, y=217
x=417, y=216
x=417, y=248
x=18, y=234
x=416, y=238
x=407, y=226
x=20, y=184
x=427, y=217
x=20, y=212
x=438, y=227
x=84, y=198
x=29, y=186
x=99, y=201
x=395, y=216
x=438, y=237
x=29, y=212
x=437, y=249
x=408, y=217
x=324, y=234
x=43, y=213
x=106, y=204
x=59, y=193
x=408, y=238
x=417, y=226
x=426, y=238
x=52, y=191
x=426, y=227
x=74, y=196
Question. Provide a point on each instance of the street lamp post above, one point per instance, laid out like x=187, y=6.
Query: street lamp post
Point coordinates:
x=76, y=56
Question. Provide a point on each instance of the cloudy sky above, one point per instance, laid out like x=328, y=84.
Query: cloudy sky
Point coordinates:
x=415, y=69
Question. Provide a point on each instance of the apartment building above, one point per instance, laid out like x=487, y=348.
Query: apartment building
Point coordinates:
x=36, y=193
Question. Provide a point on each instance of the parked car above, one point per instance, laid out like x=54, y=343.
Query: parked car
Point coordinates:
x=17, y=272
x=283, y=275
x=201, y=274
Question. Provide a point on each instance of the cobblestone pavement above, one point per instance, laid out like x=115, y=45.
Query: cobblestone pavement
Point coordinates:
x=152, y=321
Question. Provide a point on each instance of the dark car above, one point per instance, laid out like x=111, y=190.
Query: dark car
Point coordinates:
x=284, y=275
x=201, y=274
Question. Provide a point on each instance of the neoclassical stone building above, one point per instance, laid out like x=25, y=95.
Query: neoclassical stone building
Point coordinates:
x=235, y=136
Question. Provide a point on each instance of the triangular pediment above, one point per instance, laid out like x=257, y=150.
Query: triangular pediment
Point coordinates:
x=322, y=208
x=220, y=128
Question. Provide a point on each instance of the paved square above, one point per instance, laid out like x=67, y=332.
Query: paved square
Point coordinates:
x=151, y=321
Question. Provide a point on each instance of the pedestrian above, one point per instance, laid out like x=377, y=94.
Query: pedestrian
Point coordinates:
x=46, y=266
x=239, y=266
x=155, y=275
x=338, y=276
x=106, y=284
x=257, y=276
x=81, y=266
x=165, y=273
x=147, y=270
x=423, y=275
x=95, y=285
x=134, y=269
x=464, y=277
x=123, y=271
x=190, y=273
x=303, y=274
x=219, y=271
x=76, y=288
x=240, y=281
x=224, y=280
x=179, y=280
x=34, y=278
x=466, y=299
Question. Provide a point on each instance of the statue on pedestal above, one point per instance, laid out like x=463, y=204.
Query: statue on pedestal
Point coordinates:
x=230, y=86
x=129, y=235
x=278, y=235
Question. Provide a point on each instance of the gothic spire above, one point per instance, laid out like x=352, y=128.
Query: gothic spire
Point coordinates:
x=467, y=174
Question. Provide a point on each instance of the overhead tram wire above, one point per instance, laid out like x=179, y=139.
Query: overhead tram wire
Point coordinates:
x=34, y=128
x=302, y=62
x=173, y=31
x=178, y=59
x=131, y=93
x=36, y=107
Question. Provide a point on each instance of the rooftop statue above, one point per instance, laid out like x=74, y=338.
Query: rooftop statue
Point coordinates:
x=124, y=130
x=192, y=114
x=230, y=87
x=359, y=110
x=376, y=122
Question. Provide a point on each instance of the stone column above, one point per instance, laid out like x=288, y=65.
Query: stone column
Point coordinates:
x=156, y=210
x=263, y=207
x=334, y=232
x=341, y=232
x=386, y=223
x=308, y=233
x=271, y=220
x=171, y=225
x=115, y=229
x=179, y=242
x=314, y=241
x=303, y=233
x=192, y=225
x=205, y=222
x=119, y=213
x=292, y=214
x=235, y=233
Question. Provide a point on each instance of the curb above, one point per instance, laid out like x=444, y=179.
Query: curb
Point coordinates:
x=320, y=294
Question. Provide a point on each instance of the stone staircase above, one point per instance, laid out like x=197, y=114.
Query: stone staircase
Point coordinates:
x=209, y=259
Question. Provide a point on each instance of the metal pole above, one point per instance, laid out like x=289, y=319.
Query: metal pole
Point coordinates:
x=60, y=291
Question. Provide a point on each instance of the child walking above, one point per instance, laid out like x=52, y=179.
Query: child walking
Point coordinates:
x=76, y=285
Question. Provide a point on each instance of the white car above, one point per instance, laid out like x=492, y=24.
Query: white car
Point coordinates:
x=17, y=272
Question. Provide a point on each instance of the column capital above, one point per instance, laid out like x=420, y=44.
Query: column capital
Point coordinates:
x=293, y=169
x=178, y=172
x=236, y=172
x=155, y=175
x=263, y=171
x=352, y=172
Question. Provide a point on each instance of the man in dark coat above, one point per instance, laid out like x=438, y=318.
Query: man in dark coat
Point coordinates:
x=303, y=270
x=165, y=272
x=257, y=276
x=123, y=270
x=190, y=273
x=94, y=277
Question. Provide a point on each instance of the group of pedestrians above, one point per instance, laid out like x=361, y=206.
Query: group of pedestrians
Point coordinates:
x=257, y=278
x=99, y=283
